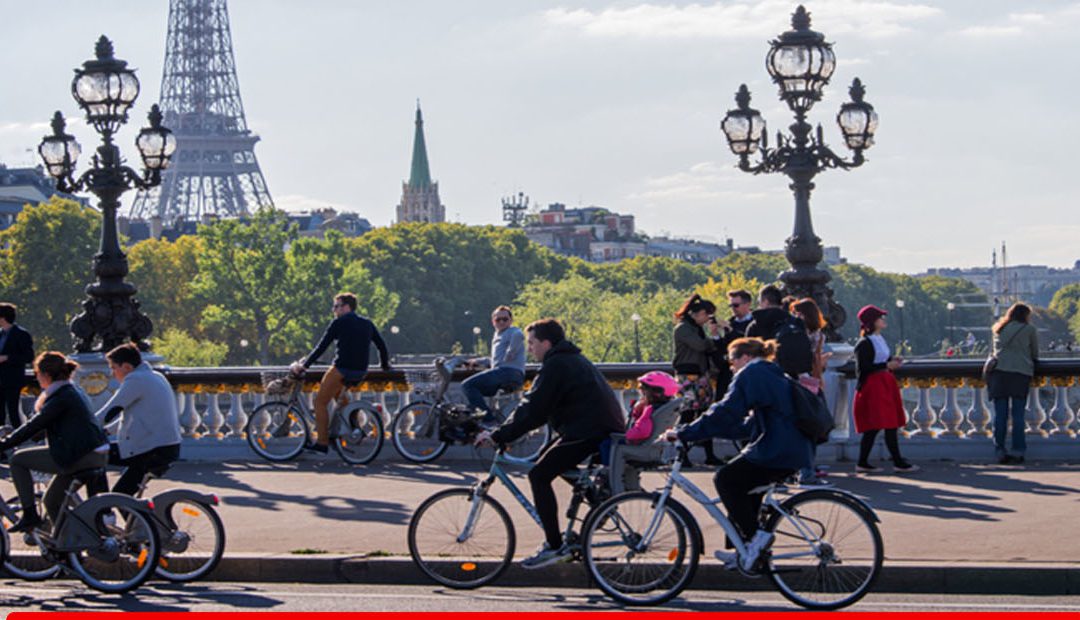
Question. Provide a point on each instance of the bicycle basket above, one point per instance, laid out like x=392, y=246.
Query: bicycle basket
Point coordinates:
x=422, y=380
x=277, y=383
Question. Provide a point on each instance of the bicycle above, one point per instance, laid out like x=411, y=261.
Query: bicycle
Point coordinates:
x=642, y=548
x=423, y=429
x=108, y=541
x=279, y=430
x=463, y=538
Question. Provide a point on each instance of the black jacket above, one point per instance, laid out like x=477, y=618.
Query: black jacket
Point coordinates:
x=766, y=322
x=20, y=351
x=864, y=362
x=69, y=426
x=354, y=335
x=570, y=394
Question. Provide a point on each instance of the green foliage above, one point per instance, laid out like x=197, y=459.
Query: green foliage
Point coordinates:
x=1066, y=304
x=180, y=349
x=765, y=268
x=45, y=263
x=164, y=272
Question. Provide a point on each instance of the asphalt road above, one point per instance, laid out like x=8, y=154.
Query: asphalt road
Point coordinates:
x=64, y=595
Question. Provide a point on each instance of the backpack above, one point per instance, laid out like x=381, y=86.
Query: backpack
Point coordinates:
x=793, y=351
x=812, y=415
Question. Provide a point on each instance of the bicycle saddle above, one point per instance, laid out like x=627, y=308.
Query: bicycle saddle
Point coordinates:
x=85, y=476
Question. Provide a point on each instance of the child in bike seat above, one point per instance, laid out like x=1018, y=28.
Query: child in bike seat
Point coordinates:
x=653, y=413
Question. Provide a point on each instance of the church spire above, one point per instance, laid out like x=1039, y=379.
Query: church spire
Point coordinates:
x=420, y=175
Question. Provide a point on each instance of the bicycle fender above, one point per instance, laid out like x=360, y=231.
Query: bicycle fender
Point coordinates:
x=163, y=502
x=863, y=506
x=80, y=531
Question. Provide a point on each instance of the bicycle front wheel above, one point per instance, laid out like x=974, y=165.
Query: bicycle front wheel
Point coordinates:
x=359, y=436
x=637, y=554
x=277, y=431
x=827, y=552
x=23, y=556
x=416, y=432
x=531, y=444
x=461, y=540
x=125, y=552
x=193, y=543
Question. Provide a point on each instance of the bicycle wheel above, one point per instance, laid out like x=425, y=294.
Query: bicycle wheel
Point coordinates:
x=359, y=433
x=838, y=565
x=632, y=575
x=277, y=431
x=437, y=546
x=23, y=557
x=416, y=432
x=531, y=444
x=125, y=554
x=193, y=542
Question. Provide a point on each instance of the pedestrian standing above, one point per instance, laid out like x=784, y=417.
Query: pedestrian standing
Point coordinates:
x=878, y=406
x=1016, y=348
x=693, y=349
x=807, y=310
x=16, y=351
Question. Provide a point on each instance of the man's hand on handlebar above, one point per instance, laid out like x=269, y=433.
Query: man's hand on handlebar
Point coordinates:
x=297, y=369
x=483, y=439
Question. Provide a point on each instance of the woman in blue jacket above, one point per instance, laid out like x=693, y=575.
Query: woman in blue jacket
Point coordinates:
x=757, y=408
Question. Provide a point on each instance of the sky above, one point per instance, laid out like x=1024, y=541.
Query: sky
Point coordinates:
x=618, y=104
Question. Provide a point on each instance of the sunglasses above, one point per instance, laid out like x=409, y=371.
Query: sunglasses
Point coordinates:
x=502, y=319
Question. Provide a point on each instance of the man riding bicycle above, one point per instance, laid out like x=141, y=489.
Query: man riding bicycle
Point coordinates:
x=571, y=395
x=354, y=335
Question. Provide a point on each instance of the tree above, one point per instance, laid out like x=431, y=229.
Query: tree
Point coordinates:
x=45, y=263
x=181, y=349
x=164, y=272
x=1066, y=303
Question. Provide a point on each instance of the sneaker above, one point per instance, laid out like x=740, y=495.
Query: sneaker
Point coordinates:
x=27, y=523
x=318, y=447
x=1013, y=460
x=810, y=482
x=760, y=542
x=866, y=469
x=546, y=556
x=730, y=559
x=905, y=467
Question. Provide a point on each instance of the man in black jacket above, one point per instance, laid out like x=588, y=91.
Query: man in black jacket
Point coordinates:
x=773, y=321
x=16, y=351
x=571, y=395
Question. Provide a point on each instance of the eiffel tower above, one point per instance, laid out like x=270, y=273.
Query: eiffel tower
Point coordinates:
x=214, y=170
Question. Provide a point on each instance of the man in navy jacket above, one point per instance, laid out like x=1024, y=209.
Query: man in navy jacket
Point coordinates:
x=16, y=351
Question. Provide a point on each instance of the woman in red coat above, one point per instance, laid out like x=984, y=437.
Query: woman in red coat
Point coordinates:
x=877, y=396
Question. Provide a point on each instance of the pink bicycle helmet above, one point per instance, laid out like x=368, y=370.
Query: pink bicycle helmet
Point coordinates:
x=662, y=381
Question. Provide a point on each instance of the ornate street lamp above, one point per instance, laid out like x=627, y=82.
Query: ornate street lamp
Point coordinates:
x=801, y=62
x=636, y=318
x=105, y=89
x=900, y=313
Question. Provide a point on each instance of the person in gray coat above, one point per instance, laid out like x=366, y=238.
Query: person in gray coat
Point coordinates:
x=1016, y=348
x=148, y=436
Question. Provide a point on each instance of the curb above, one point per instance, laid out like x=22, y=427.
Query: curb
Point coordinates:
x=1017, y=578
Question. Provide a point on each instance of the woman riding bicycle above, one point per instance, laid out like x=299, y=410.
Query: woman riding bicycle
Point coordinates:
x=75, y=441
x=757, y=408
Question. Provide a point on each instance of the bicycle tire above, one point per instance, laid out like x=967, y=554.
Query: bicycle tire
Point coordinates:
x=184, y=555
x=24, y=560
x=649, y=577
x=360, y=434
x=842, y=570
x=128, y=550
x=433, y=544
x=531, y=444
x=277, y=431
x=416, y=433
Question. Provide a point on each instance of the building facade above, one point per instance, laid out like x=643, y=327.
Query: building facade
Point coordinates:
x=591, y=233
x=22, y=186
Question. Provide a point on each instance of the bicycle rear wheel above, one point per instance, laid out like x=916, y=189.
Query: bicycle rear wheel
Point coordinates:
x=277, y=431
x=126, y=552
x=359, y=433
x=628, y=572
x=193, y=543
x=835, y=569
x=439, y=548
x=416, y=432
x=531, y=444
x=23, y=557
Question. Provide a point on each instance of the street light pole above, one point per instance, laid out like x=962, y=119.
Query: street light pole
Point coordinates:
x=106, y=89
x=476, y=343
x=950, y=307
x=900, y=315
x=636, y=318
x=801, y=62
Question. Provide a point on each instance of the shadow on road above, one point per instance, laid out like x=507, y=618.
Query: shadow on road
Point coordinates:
x=161, y=597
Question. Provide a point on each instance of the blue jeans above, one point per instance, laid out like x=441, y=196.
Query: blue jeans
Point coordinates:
x=1001, y=418
x=487, y=383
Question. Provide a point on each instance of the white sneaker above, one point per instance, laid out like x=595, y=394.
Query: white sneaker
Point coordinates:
x=757, y=544
x=546, y=556
x=730, y=559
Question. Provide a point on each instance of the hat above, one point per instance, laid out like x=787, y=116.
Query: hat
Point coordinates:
x=868, y=314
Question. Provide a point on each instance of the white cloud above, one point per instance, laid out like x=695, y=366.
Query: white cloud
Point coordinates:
x=986, y=32
x=739, y=20
x=702, y=182
x=1016, y=24
x=298, y=202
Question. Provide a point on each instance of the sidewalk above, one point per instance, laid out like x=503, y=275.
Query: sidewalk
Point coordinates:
x=952, y=527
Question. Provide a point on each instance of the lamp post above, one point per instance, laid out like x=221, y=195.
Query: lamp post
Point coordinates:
x=801, y=63
x=636, y=318
x=476, y=343
x=950, y=307
x=395, y=330
x=900, y=315
x=105, y=89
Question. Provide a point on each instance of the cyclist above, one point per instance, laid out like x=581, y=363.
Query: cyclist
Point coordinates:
x=75, y=441
x=507, y=364
x=757, y=408
x=354, y=335
x=571, y=395
x=148, y=435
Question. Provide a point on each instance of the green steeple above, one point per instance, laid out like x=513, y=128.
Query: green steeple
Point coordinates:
x=420, y=176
